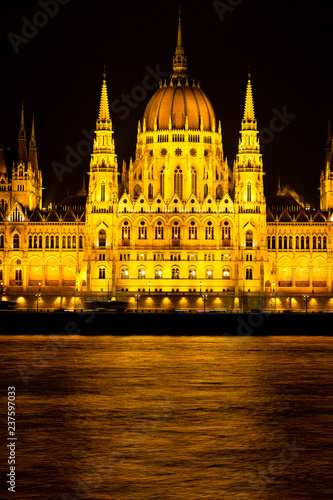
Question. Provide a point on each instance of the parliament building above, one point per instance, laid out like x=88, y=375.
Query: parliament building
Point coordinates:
x=177, y=228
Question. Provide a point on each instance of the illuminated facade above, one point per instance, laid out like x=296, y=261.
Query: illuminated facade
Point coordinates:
x=177, y=221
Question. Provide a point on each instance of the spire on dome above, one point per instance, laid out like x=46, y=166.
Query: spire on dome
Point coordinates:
x=179, y=59
x=104, y=120
x=22, y=146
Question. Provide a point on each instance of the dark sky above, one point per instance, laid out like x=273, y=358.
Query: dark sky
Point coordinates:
x=59, y=70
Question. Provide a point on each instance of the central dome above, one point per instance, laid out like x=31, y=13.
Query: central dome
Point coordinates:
x=177, y=103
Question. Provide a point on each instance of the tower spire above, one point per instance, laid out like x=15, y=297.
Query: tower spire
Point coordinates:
x=33, y=147
x=179, y=59
x=249, y=115
x=22, y=146
x=104, y=120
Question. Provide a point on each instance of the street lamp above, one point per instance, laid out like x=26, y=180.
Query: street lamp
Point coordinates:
x=306, y=299
x=38, y=295
x=200, y=286
x=137, y=298
x=204, y=298
x=149, y=288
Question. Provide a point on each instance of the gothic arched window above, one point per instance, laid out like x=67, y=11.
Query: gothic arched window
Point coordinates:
x=249, y=238
x=248, y=191
x=178, y=182
x=103, y=191
x=102, y=238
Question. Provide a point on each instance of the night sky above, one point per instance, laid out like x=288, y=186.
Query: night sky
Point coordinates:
x=58, y=73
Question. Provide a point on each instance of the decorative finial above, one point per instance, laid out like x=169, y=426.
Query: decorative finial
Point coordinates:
x=179, y=59
x=104, y=73
x=249, y=73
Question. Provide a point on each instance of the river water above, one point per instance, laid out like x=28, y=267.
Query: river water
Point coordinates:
x=169, y=418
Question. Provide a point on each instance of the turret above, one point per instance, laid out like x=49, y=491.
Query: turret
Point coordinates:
x=22, y=155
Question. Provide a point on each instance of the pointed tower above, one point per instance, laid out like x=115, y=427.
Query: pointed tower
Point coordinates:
x=326, y=176
x=22, y=155
x=103, y=175
x=249, y=168
x=250, y=204
x=3, y=168
x=26, y=176
x=33, y=148
x=101, y=202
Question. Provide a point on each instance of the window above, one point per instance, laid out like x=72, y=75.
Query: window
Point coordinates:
x=158, y=273
x=209, y=273
x=249, y=238
x=47, y=241
x=248, y=191
x=2, y=241
x=319, y=242
x=80, y=241
x=52, y=241
x=325, y=243
x=142, y=231
x=124, y=274
x=194, y=181
x=273, y=242
x=226, y=273
x=192, y=231
x=209, y=231
x=175, y=273
x=226, y=231
x=102, y=191
x=307, y=242
x=175, y=230
x=16, y=241
x=192, y=273
x=141, y=273
x=302, y=242
x=159, y=231
x=57, y=241
x=30, y=241
x=102, y=238
x=268, y=242
x=162, y=178
x=297, y=242
x=126, y=231
x=290, y=242
x=101, y=273
x=69, y=241
x=150, y=191
x=314, y=242
x=248, y=274
x=18, y=276
x=280, y=242
x=178, y=182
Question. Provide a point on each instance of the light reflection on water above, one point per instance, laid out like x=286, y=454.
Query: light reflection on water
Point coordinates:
x=143, y=418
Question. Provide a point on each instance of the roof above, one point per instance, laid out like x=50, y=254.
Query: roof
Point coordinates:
x=178, y=103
